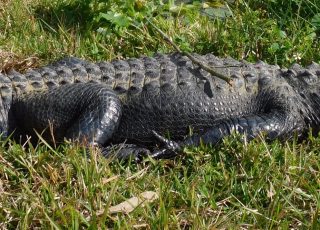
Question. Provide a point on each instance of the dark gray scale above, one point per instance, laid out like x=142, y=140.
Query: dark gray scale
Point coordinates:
x=136, y=64
x=245, y=64
x=94, y=72
x=6, y=94
x=265, y=79
x=250, y=77
x=170, y=110
x=290, y=75
x=220, y=86
x=136, y=76
x=315, y=68
x=250, y=74
x=69, y=61
x=308, y=77
x=311, y=74
x=136, y=82
x=205, y=59
x=69, y=65
x=5, y=90
x=299, y=76
x=80, y=73
x=224, y=71
x=65, y=74
x=50, y=77
x=152, y=87
x=35, y=80
x=185, y=77
x=107, y=73
x=204, y=79
x=122, y=76
x=168, y=89
x=263, y=66
x=121, y=88
x=152, y=74
x=200, y=57
x=168, y=71
x=152, y=71
x=296, y=67
x=267, y=69
x=237, y=79
x=315, y=72
x=121, y=65
x=182, y=61
x=183, y=111
x=233, y=68
x=19, y=82
x=204, y=85
x=213, y=60
x=134, y=89
x=150, y=63
x=231, y=62
x=215, y=63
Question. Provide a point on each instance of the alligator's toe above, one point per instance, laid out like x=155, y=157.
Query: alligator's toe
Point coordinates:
x=168, y=144
x=164, y=154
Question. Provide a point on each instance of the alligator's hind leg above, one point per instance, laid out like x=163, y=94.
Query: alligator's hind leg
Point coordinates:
x=88, y=112
x=97, y=115
x=83, y=111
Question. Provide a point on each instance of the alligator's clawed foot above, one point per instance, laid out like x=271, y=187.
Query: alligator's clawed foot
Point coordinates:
x=126, y=152
x=170, y=148
x=168, y=144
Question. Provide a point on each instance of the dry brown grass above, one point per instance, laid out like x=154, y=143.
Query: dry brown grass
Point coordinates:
x=9, y=60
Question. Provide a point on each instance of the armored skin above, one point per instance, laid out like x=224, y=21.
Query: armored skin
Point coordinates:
x=134, y=103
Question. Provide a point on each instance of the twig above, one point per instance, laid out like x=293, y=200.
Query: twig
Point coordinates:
x=191, y=57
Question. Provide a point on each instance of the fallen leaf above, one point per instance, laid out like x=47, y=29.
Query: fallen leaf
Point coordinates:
x=271, y=192
x=133, y=202
x=107, y=180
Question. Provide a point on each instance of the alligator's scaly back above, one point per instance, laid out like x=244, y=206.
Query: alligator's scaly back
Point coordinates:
x=127, y=100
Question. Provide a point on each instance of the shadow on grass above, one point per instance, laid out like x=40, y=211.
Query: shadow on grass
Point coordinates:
x=77, y=14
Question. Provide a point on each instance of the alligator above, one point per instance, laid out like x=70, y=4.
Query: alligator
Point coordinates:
x=158, y=105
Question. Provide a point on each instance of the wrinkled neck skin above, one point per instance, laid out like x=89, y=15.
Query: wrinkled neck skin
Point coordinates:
x=305, y=82
x=310, y=96
x=314, y=98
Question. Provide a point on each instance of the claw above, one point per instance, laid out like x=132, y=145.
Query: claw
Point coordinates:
x=168, y=144
x=170, y=150
x=163, y=154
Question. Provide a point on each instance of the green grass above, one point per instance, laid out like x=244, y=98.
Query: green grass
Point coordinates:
x=254, y=185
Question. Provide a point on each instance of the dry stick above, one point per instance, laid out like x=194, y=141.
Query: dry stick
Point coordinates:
x=192, y=58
